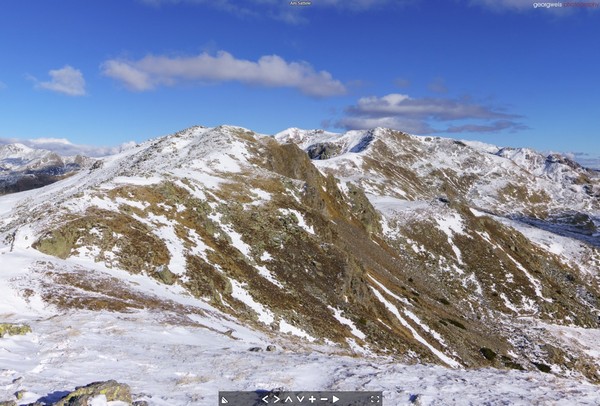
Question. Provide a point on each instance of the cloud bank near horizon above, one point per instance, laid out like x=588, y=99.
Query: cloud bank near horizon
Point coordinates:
x=64, y=147
x=416, y=115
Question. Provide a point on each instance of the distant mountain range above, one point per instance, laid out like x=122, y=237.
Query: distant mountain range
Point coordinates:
x=381, y=243
x=24, y=168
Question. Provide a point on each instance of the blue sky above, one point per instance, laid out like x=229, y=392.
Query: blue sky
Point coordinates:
x=100, y=73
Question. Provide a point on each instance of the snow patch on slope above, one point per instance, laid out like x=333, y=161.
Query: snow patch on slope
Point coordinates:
x=288, y=328
x=451, y=225
x=394, y=310
x=300, y=218
x=337, y=313
x=239, y=292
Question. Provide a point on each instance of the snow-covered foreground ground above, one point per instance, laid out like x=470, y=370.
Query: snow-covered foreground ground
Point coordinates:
x=168, y=365
x=176, y=363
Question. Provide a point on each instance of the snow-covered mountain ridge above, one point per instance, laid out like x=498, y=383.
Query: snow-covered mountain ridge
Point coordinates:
x=518, y=182
x=495, y=167
x=383, y=245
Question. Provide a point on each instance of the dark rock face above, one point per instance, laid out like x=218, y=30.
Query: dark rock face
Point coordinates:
x=556, y=158
x=364, y=142
x=323, y=151
x=363, y=209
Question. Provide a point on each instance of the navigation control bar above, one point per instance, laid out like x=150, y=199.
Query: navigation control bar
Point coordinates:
x=303, y=398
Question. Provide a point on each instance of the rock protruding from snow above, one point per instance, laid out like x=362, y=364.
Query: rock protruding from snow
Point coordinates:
x=11, y=329
x=108, y=391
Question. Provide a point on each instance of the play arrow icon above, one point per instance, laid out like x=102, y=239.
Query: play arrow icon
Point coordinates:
x=334, y=399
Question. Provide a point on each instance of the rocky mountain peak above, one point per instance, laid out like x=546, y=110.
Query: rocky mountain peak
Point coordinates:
x=15, y=148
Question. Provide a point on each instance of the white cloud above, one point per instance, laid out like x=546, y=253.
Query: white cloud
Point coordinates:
x=64, y=147
x=133, y=78
x=494, y=126
x=51, y=141
x=269, y=71
x=2, y=85
x=415, y=115
x=66, y=80
x=395, y=104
